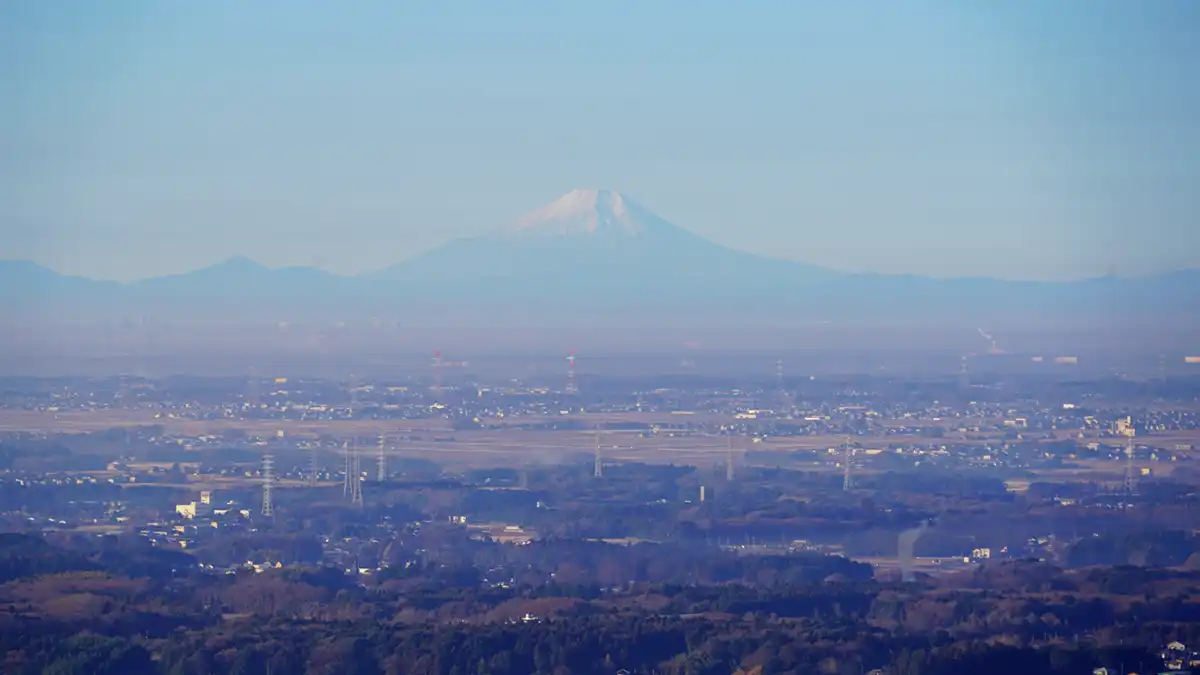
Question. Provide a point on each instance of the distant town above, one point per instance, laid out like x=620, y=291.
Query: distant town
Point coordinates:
x=608, y=488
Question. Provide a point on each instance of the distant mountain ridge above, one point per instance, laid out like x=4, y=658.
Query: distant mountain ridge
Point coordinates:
x=590, y=250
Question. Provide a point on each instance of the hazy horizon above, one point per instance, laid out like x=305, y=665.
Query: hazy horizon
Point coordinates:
x=1017, y=140
x=599, y=338
x=243, y=258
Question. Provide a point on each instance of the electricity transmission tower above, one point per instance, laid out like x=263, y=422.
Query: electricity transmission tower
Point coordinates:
x=598, y=468
x=729, y=459
x=352, y=478
x=381, y=468
x=346, y=469
x=356, y=494
x=847, y=463
x=1130, y=477
x=268, y=482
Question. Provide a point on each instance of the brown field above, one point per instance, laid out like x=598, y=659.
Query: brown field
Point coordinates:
x=504, y=446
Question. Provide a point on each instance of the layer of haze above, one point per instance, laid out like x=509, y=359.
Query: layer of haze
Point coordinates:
x=1020, y=139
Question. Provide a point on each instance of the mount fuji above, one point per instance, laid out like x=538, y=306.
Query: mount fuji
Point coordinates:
x=600, y=246
x=588, y=253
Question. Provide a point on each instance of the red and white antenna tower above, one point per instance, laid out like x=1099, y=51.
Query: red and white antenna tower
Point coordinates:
x=572, y=387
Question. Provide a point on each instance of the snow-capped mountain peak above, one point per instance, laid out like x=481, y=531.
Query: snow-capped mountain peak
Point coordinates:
x=590, y=213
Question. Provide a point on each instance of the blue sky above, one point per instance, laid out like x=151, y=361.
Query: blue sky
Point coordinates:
x=1020, y=139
